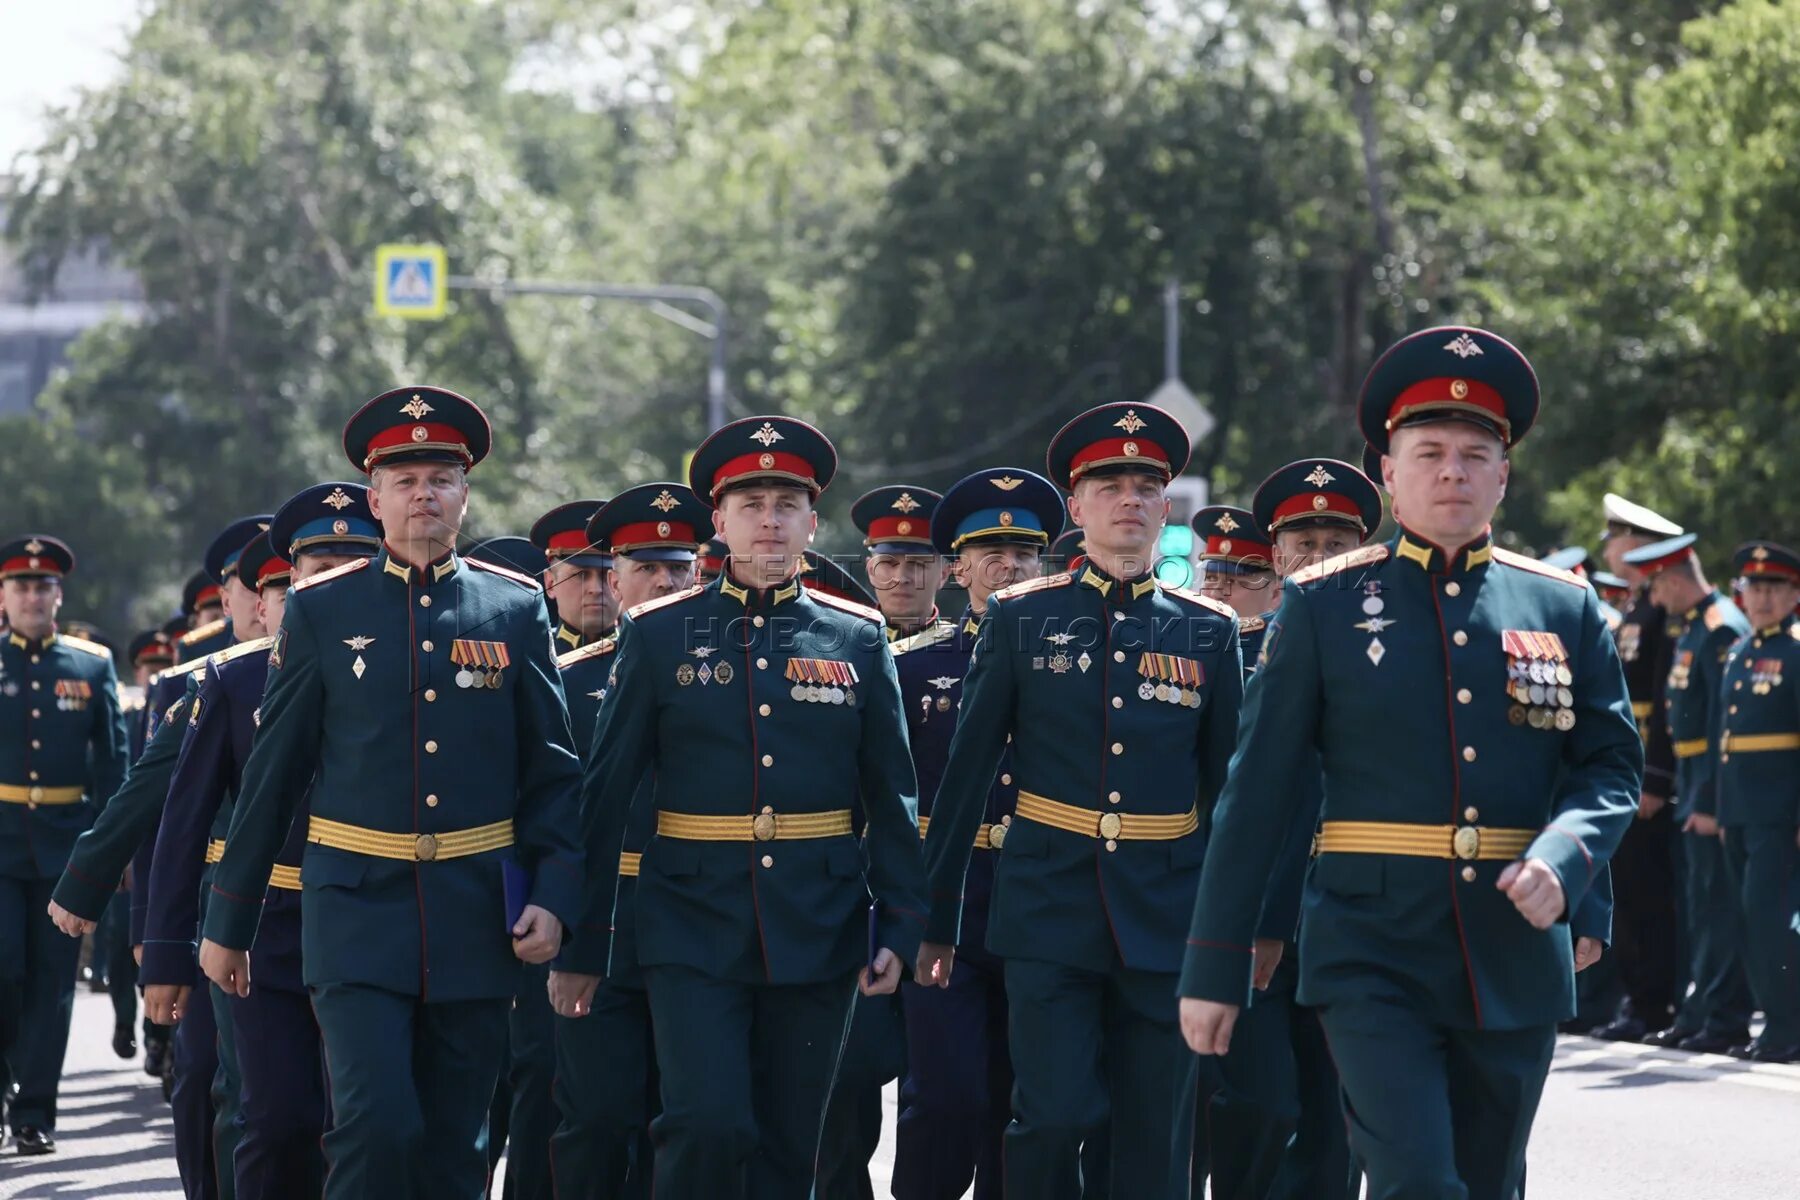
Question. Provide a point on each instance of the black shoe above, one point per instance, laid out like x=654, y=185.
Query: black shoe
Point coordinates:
x=1668, y=1038
x=1574, y=1025
x=1621, y=1029
x=168, y=1087
x=124, y=1041
x=156, y=1058
x=1710, y=1043
x=97, y=984
x=29, y=1140
x=1764, y=1051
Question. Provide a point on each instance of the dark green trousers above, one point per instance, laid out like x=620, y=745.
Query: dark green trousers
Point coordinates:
x=874, y=1054
x=531, y=1069
x=1242, y=1129
x=1436, y=1113
x=1765, y=867
x=1720, y=1002
x=606, y=1093
x=410, y=1087
x=1097, y=1050
x=745, y=1072
x=227, y=1086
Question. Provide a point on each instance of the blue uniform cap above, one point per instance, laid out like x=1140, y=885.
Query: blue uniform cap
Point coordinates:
x=1569, y=558
x=998, y=505
x=222, y=555
x=1659, y=556
x=326, y=518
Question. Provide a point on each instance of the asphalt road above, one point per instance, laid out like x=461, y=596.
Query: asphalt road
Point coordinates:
x=1617, y=1121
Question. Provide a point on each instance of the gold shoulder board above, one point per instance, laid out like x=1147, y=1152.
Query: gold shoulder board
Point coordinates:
x=604, y=646
x=1538, y=568
x=1060, y=579
x=338, y=572
x=1361, y=557
x=849, y=606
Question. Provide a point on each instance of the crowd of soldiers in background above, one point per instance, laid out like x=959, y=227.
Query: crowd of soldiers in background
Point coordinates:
x=1696, y=920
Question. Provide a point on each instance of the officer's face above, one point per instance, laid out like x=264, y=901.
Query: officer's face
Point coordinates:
x=1446, y=479
x=906, y=584
x=581, y=595
x=1297, y=548
x=767, y=529
x=31, y=604
x=420, y=504
x=635, y=581
x=271, y=606
x=984, y=570
x=1768, y=601
x=1616, y=546
x=1120, y=515
x=1248, y=595
x=241, y=607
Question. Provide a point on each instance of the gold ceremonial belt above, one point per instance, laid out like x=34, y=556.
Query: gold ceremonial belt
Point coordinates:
x=629, y=863
x=18, y=794
x=1692, y=748
x=1470, y=843
x=215, y=850
x=1642, y=708
x=988, y=837
x=765, y=826
x=1751, y=743
x=1114, y=827
x=410, y=847
x=285, y=878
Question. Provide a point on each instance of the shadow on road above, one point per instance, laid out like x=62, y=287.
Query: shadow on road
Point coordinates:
x=114, y=1138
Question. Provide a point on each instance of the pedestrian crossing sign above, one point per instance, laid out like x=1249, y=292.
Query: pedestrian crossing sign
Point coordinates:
x=411, y=281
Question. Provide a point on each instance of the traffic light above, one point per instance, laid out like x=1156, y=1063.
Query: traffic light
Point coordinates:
x=1174, y=555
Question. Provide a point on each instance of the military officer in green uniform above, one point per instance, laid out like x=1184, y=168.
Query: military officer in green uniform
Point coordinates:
x=575, y=580
x=1237, y=569
x=1120, y=696
x=1647, y=952
x=1716, y=1012
x=62, y=752
x=1480, y=763
x=606, y=1077
x=768, y=714
x=905, y=573
x=419, y=688
x=1759, y=791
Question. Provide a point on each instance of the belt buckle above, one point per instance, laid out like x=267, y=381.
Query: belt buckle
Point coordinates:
x=762, y=827
x=1110, y=825
x=425, y=847
x=34, y=796
x=1466, y=843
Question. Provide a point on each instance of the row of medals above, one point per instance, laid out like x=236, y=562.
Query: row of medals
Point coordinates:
x=1169, y=693
x=817, y=694
x=481, y=677
x=1541, y=695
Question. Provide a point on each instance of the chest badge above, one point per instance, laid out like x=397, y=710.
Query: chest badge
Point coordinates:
x=479, y=664
x=358, y=644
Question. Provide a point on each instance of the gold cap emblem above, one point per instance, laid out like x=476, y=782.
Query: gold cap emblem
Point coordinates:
x=340, y=526
x=1319, y=502
x=903, y=528
x=34, y=547
x=1320, y=476
x=1225, y=523
x=664, y=502
x=1459, y=389
x=766, y=461
x=768, y=435
x=1007, y=483
x=1225, y=546
x=420, y=433
x=1131, y=449
x=1463, y=346
x=1130, y=423
x=1006, y=518
x=662, y=529
x=338, y=499
x=905, y=503
x=416, y=408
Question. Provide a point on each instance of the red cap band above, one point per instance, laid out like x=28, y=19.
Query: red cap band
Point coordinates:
x=570, y=541
x=1317, y=504
x=1666, y=561
x=207, y=595
x=1768, y=566
x=1454, y=395
x=34, y=564
x=899, y=529
x=772, y=463
x=1137, y=452
x=627, y=538
x=273, y=569
x=425, y=435
x=1239, y=549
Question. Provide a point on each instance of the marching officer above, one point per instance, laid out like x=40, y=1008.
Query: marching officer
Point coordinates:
x=419, y=686
x=574, y=573
x=709, y=563
x=575, y=580
x=606, y=1078
x=955, y=1098
x=1759, y=792
x=277, y=1039
x=1715, y=1015
x=906, y=573
x=1120, y=695
x=1431, y=941
x=904, y=569
x=768, y=714
x=149, y=652
x=62, y=753
x=1647, y=918
x=1237, y=569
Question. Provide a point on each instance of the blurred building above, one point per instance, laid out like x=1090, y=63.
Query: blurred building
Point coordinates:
x=36, y=332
